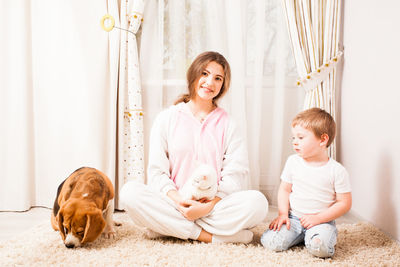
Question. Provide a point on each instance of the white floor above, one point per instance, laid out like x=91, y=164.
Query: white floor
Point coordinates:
x=12, y=223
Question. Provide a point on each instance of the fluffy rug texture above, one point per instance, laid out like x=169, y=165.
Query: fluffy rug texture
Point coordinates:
x=358, y=244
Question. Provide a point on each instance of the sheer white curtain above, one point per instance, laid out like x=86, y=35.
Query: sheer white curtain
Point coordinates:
x=57, y=96
x=314, y=29
x=253, y=37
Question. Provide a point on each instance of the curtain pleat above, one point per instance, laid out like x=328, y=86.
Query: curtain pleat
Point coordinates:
x=130, y=109
x=313, y=27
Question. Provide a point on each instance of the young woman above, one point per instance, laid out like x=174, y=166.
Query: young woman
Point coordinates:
x=196, y=130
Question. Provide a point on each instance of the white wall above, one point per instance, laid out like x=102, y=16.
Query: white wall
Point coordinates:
x=370, y=110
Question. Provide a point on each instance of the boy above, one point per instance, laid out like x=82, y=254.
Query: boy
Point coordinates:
x=314, y=191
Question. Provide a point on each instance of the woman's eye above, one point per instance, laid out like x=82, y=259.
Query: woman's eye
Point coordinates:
x=204, y=73
x=218, y=79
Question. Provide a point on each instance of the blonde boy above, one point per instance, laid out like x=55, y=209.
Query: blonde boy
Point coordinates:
x=314, y=191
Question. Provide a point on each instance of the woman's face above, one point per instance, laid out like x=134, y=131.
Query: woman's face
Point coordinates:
x=210, y=82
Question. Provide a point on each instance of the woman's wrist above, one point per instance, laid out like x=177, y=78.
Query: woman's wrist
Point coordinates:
x=215, y=200
x=208, y=207
x=175, y=196
x=212, y=203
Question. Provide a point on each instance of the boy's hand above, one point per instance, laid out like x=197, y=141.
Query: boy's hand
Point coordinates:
x=277, y=223
x=310, y=220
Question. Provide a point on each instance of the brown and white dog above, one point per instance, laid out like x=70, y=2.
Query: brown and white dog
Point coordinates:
x=83, y=207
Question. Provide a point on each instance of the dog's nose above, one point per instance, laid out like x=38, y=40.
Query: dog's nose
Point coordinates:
x=70, y=245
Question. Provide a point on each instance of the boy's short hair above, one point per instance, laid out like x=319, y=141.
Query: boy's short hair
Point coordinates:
x=318, y=121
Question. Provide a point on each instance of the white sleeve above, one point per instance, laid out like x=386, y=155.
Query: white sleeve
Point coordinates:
x=342, y=180
x=158, y=167
x=287, y=173
x=235, y=164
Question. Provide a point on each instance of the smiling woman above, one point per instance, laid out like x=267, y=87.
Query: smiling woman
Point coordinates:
x=211, y=71
x=208, y=80
x=196, y=130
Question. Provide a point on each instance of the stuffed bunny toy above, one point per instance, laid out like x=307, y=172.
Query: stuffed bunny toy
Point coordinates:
x=201, y=184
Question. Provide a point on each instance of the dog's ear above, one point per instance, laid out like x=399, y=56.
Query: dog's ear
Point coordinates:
x=60, y=220
x=95, y=224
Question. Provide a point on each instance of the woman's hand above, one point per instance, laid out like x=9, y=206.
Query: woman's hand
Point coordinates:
x=193, y=210
x=277, y=223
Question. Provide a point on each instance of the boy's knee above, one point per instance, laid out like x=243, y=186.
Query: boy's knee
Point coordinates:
x=274, y=241
x=319, y=248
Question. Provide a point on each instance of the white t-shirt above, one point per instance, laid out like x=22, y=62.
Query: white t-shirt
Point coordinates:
x=314, y=188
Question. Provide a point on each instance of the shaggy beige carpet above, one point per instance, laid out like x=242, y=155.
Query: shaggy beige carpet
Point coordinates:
x=358, y=244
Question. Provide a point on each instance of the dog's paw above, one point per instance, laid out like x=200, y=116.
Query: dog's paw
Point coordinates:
x=109, y=232
x=110, y=235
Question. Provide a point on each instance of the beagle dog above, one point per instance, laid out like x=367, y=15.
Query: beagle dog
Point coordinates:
x=83, y=208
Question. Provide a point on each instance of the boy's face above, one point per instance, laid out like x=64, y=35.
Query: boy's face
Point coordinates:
x=306, y=144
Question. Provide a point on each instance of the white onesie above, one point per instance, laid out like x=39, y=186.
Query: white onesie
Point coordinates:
x=177, y=141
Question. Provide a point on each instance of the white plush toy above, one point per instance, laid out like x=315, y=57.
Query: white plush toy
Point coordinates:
x=201, y=184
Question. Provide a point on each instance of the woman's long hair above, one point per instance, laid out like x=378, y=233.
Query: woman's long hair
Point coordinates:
x=195, y=71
